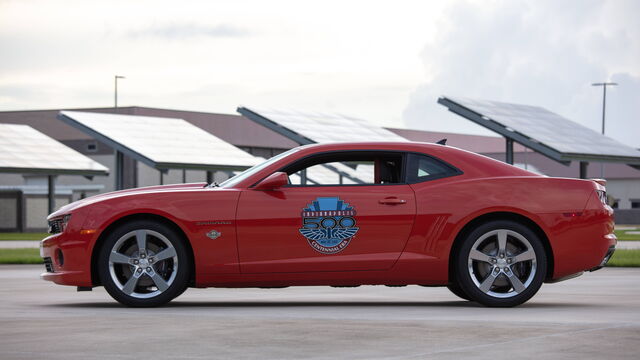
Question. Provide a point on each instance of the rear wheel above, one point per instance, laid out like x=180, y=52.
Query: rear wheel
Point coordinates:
x=501, y=263
x=144, y=263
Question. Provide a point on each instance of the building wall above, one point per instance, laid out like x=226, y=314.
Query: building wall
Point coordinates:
x=624, y=191
x=9, y=210
x=36, y=211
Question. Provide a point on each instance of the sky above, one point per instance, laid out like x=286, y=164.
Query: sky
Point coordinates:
x=384, y=61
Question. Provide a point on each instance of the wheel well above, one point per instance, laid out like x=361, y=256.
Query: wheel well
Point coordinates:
x=95, y=279
x=500, y=216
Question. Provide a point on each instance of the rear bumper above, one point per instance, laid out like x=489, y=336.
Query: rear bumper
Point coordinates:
x=67, y=260
x=606, y=259
x=580, y=243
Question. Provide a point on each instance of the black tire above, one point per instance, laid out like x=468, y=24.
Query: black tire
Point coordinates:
x=501, y=278
x=457, y=291
x=139, y=279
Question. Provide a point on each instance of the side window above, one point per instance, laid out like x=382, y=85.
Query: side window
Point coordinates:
x=423, y=168
x=347, y=168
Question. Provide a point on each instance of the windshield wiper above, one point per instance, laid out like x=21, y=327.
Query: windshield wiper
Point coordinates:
x=212, y=185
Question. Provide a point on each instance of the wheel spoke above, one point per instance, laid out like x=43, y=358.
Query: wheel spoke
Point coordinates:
x=159, y=281
x=526, y=255
x=165, y=254
x=141, y=239
x=119, y=258
x=485, y=286
x=130, y=285
x=502, y=241
x=479, y=256
x=518, y=286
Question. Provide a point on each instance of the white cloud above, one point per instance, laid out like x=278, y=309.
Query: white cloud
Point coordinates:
x=182, y=31
x=365, y=58
x=544, y=53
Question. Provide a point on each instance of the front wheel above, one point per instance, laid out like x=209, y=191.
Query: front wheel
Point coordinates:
x=457, y=291
x=143, y=264
x=501, y=264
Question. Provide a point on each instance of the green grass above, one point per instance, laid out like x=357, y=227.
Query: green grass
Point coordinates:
x=20, y=256
x=23, y=236
x=624, y=234
x=625, y=258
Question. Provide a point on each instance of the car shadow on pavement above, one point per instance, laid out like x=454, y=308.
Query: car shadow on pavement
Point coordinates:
x=276, y=304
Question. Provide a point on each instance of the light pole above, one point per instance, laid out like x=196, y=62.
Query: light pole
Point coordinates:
x=116, y=90
x=604, y=106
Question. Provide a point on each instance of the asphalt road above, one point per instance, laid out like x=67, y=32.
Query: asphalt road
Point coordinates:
x=594, y=316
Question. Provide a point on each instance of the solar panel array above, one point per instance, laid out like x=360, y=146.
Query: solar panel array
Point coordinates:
x=161, y=142
x=24, y=149
x=315, y=127
x=548, y=128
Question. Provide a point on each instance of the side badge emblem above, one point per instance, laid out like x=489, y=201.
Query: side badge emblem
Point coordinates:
x=329, y=224
x=213, y=234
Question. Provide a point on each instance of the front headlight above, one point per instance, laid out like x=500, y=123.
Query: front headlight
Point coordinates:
x=58, y=224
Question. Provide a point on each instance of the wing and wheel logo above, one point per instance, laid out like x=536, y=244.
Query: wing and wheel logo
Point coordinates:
x=328, y=224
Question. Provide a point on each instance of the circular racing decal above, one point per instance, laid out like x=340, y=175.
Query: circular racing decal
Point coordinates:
x=329, y=224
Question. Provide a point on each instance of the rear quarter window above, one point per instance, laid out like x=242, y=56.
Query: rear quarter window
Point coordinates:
x=422, y=168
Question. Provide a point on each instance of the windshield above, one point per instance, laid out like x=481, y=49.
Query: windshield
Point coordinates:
x=231, y=182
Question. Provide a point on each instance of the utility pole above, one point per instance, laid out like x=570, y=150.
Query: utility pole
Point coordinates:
x=116, y=89
x=604, y=106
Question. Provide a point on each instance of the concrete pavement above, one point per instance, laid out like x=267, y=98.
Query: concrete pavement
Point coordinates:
x=593, y=316
x=628, y=245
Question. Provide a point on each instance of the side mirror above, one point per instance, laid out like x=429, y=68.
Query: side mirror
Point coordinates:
x=273, y=181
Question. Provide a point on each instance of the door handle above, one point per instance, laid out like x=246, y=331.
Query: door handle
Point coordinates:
x=392, y=201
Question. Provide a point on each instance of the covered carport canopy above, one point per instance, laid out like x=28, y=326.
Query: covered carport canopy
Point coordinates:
x=161, y=143
x=543, y=131
x=25, y=150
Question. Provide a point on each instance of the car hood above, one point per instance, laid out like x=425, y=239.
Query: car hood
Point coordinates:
x=110, y=195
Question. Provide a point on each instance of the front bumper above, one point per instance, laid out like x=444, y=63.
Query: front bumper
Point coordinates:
x=67, y=259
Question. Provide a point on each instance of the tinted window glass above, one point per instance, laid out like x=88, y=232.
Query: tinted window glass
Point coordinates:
x=423, y=168
x=347, y=168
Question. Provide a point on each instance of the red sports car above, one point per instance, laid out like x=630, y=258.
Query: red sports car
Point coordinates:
x=344, y=214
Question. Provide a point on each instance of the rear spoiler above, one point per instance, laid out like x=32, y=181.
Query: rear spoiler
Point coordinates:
x=602, y=182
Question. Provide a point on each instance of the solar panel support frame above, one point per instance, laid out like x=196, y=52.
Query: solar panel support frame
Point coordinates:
x=584, y=167
x=509, y=150
x=51, y=195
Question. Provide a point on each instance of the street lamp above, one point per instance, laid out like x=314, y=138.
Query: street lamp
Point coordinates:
x=604, y=106
x=604, y=98
x=116, y=92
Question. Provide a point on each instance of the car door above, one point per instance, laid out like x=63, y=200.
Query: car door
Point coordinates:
x=327, y=225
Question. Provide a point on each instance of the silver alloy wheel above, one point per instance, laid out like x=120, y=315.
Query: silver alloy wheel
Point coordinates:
x=502, y=263
x=143, y=263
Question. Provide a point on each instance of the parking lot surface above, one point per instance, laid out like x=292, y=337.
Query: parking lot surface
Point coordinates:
x=594, y=316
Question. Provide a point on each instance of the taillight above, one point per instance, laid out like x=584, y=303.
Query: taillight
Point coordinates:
x=603, y=196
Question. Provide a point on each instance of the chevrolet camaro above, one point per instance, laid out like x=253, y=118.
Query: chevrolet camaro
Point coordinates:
x=344, y=214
